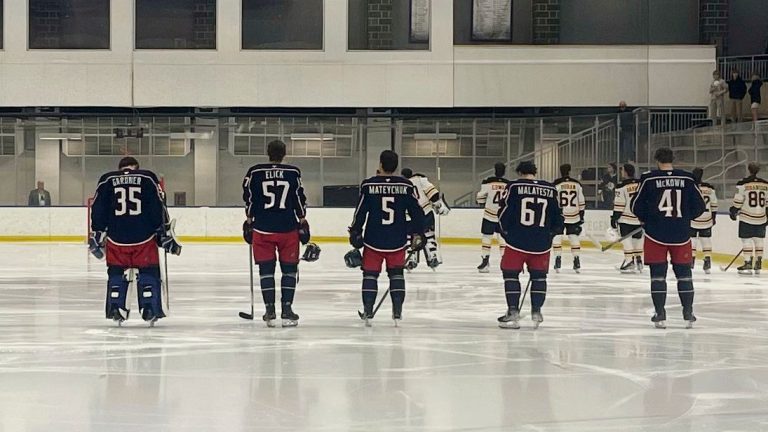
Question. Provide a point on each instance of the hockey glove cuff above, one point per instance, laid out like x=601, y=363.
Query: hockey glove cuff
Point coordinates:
x=356, y=238
x=247, y=232
x=304, y=235
x=167, y=238
x=96, y=243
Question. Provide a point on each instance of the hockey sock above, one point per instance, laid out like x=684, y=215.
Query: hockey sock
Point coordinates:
x=758, y=242
x=502, y=245
x=638, y=247
x=370, y=289
x=575, y=244
x=557, y=247
x=706, y=246
x=659, y=286
x=684, y=286
x=538, y=289
x=396, y=288
x=512, y=288
x=267, y=279
x=629, y=249
x=288, y=282
x=486, y=250
x=747, y=249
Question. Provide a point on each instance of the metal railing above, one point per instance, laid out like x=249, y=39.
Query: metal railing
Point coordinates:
x=746, y=65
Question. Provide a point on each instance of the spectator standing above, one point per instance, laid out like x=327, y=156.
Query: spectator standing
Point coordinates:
x=39, y=197
x=737, y=90
x=717, y=91
x=754, y=96
x=607, y=186
x=626, y=133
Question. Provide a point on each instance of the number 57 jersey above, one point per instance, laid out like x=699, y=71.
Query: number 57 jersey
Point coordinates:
x=666, y=202
x=530, y=215
x=274, y=197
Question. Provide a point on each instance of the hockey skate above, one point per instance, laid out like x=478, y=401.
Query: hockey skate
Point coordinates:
x=689, y=319
x=149, y=317
x=537, y=319
x=484, y=266
x=558, y=263
x=270, y=316
x=511, y=320
x=576, y=264
x=412, y=261
x=118, y=317
x=627, y=267
x=745, y=269
x=659, y=320
x=707, y=265
x=290, y=319
x=397, y=314
x=758, y=265
x=639, y=264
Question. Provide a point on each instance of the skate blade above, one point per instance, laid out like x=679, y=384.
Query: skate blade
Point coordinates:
x=707, y=271
x=368, y=323
x=270, y=323
x=290, y=323
x=745, y=272
x=557, y=270
x=536, y=325
x=485, y=270
x=660, y=325
x=510, y=325
x=689, y=324
x=152, y=323
x=578, y=271
x=397, y=322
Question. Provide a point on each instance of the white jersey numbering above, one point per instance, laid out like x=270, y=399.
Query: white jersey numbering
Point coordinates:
x=705, y=221
x=490, y=195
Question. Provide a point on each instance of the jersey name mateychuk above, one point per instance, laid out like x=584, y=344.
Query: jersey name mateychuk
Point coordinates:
x=274, y=174
x=673, y=183
x=535, y=190
x=388, y=190
x=128, y=179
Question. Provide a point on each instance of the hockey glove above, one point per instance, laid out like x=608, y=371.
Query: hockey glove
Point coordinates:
x=615, y=220
x=355, y=238
x=353, y=259
x=581, y=217
x=166, y=238
x=311, y=253
x=247, y=232
x=418, y=241
x=577, y=230
x=734, y=213
x=304, y=235
x=441, y=207
x=96, y=243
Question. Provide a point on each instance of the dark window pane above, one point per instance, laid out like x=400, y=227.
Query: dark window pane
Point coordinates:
x=283, y=24
x=69, y=24
x=388, y=24
x=175, y=24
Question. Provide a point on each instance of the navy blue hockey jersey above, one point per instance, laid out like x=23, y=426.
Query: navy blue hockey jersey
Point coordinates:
x=274, y=197
x=128, y=205
x=385, y=204
x=530, y=215
x=666, y=202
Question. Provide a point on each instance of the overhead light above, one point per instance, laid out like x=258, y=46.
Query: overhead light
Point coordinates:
x=56, y=136
x=434, y=136
x=311, y=137
x=191, y=135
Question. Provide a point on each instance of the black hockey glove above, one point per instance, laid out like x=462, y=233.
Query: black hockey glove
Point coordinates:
x=581, y=218
x=355, y=238
x=734, y=213
x=311, y=253
x=615, y=220
x=304, y=235
x=577, y=229
x=96, y=243
x=247, y=232
x=353, y=259
x=166, y=238
x=714, y=218
x=418, y=241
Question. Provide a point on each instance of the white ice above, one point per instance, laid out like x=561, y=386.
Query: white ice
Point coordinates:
x=596, y=363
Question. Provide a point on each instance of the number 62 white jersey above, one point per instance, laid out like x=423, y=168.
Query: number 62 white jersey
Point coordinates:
x=570, y=195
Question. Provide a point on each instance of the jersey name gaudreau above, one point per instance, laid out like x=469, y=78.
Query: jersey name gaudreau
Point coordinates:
x=126, y=179
x=376, y=189
x=526, y=189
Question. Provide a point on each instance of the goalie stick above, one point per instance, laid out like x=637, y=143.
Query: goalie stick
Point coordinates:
x=621, y=239
x=244, y=315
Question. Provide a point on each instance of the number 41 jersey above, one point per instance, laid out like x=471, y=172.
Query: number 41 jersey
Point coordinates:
x=530, y=215
x=274, y=197
x=128, y=205
x=666, y=203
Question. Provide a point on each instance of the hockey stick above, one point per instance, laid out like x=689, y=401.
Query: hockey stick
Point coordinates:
x=166, y=286
x=362, y=315
x=522, y=299
x=244, y=315
x=732, y=261
x=621, y=239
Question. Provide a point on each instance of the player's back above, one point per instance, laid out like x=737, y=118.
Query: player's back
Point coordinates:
x=705, y=220
x=425, y=190
x=529, y=215
x=128, y=205
x=666, y=203
x=571, y=198
x=752, y=196
x=625, y=191
x=274, y=197
x=385, y=203
x=491, y=191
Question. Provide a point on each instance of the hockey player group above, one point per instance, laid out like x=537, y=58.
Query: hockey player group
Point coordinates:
x=394, y=221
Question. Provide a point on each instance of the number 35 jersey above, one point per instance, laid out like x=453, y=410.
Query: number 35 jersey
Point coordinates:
x=571, y=197
x=529, y=215
x=750, y=199
x=128, y=205
x=666, y=202
x=274, y=197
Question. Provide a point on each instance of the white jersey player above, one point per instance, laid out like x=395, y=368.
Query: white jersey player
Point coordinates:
x=701, y=227
x=626, y=222
x=490, y=195
x=571, y=197
x=749, y=206
x=431, y=201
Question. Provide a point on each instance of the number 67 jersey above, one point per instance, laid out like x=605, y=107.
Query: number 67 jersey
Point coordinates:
x=666, y=202
x=530, y=215
x=274, y=198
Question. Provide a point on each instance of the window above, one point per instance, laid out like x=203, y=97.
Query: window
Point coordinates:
x=7, y=137
x=1, y=24
x=389, y=24
x=282, y=24
x=176, y=24
x=69, y=24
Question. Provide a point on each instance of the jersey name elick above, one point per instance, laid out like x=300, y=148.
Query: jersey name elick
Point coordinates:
x=123, y=180
x=274, y=174
x=535, y=190
x=387, y=190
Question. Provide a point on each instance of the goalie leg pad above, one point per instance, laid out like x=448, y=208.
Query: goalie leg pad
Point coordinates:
x=288, y=282
x=370, y=289
x=538, y=289
x=150, y=294
x=659, y=286
x=512, y=288
x=117, y=294
x=267, y=281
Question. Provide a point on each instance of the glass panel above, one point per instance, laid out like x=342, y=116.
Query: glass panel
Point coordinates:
x=176, y=24
x=388, y=24
x=282, y=24
x=69, y=24
x=1, y=24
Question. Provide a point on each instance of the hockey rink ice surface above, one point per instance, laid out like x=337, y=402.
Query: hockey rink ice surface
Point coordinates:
x=596, y=363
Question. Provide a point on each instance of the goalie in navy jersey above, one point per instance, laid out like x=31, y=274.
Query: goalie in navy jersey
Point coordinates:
x=276, y=209
x=666, y=202
x=529, y=218
x=128, y=223
x=381, y=228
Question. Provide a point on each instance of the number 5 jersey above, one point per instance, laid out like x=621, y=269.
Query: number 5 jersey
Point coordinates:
x=274, y=198
x=128, y=205
x=530, y=216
